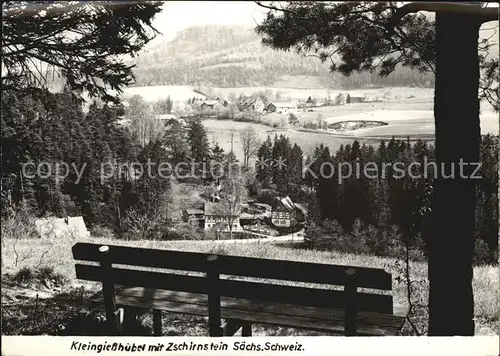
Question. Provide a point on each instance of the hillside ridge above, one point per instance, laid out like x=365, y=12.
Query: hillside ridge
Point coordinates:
x=233, y=56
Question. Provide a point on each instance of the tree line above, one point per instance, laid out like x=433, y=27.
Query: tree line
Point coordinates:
x=384, y=206
x=44, y=134
x=234, y=73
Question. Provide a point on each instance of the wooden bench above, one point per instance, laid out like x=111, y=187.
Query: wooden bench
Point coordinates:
x=239, y=290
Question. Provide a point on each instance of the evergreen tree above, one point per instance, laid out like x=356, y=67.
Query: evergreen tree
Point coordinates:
x=93, y=71
x=264, y=163
x=281, y=163
x=175, y=142
x=198, y=141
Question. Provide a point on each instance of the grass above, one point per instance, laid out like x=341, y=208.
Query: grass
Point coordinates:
x=59, y=257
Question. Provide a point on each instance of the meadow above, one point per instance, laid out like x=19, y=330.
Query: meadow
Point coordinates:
x=221, y=131
x=57, y=254
x=412, y=117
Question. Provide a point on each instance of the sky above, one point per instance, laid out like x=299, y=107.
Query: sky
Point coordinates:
x=178, y=15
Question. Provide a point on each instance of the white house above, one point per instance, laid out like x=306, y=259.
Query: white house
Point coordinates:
x=217, y=216
x=355, y=98
x=282, y=107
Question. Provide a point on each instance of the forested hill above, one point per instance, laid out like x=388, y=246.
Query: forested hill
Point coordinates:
x=233, y=56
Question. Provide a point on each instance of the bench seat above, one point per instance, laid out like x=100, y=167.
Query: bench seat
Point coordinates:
x=258, y=312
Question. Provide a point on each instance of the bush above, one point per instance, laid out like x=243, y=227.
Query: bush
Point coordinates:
x=23, y=276
x=17, y=225
x=37, y=277
x=362, y=240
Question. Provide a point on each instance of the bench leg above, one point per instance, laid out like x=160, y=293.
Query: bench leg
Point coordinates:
x=214, y=308
x=246, y=329
x=129, y=320
x=117, y=322
x=156, y=322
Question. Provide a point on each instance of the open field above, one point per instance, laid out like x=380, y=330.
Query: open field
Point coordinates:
x=412, y=118
x=220, y=131
x=58, y=255
x=408, y=122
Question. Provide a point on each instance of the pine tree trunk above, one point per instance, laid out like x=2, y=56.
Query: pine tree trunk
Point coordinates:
x=456, y=111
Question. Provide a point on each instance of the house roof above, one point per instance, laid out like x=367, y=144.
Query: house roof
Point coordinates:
x=262, y=205
x=290, y=205
x=301, y=208
x=286, y=202
x=284, y=104
x=69, y=227
x=191, y=211
x=247, y=101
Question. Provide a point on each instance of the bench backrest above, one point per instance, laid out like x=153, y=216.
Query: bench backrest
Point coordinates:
x=239, y=266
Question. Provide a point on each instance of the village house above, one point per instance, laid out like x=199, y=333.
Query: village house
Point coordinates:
x=281, y=107
x=210, y=104
x=222, y=102
x=285, y=213
x=218, y=217
x=355, y=98
x=251, y=103
x=313, y=102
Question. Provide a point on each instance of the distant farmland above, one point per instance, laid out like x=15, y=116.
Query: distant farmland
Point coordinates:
x=401, y=123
